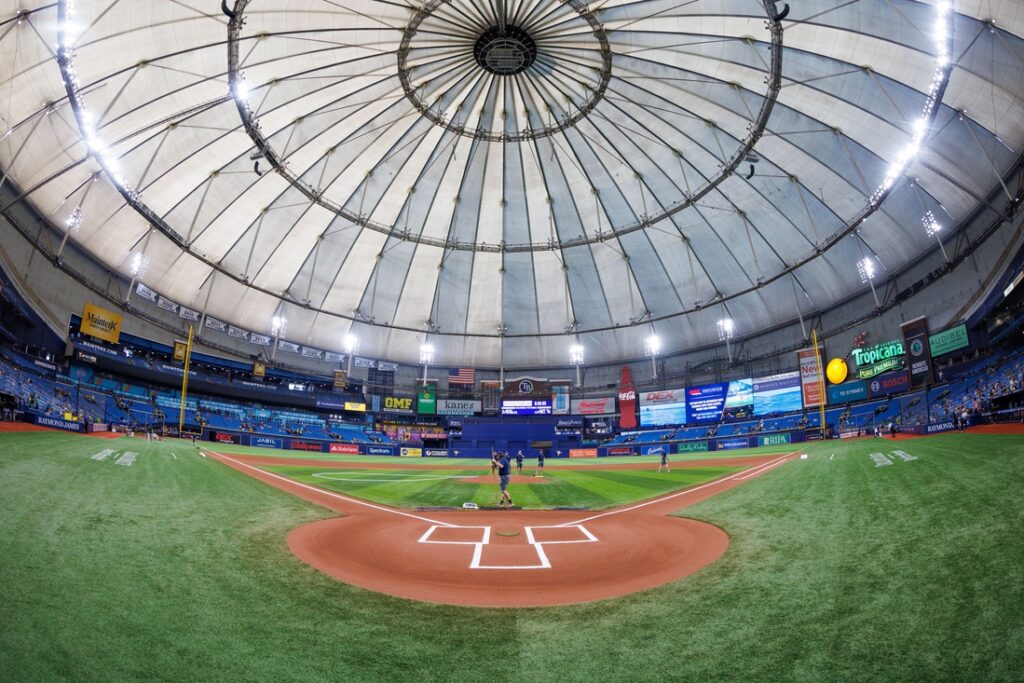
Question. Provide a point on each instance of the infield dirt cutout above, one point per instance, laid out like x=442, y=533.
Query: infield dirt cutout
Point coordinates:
x=472, y=558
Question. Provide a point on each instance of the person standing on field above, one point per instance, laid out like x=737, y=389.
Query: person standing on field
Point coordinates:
x=540, y=464
x=519, y=462
x=664, y=462
x=501, y=463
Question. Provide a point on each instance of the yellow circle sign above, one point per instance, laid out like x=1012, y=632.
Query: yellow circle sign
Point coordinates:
x=836, y=371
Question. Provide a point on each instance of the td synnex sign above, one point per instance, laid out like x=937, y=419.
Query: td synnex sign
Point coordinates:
x=877, y=359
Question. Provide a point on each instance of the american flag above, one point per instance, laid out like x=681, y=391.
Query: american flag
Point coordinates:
x=461, y=376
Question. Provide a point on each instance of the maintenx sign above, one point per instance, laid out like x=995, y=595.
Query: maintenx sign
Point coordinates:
x=874, y=360
x=100, y=323
x=397, y=404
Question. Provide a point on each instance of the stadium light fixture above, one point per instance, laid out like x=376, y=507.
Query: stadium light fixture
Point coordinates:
x=351, y=348
x=726, y=331
x=576, y=354
x=576, y=359
x=138, y=264
x=426, y=358
x=933, y=228
x=278, y=324
x=652, y=347
x=866, y=269
x=426, y=354
x=74, y=221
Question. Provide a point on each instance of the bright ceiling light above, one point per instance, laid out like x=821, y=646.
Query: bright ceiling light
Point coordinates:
x=652, y=345
x=426, y=354
x=576, y=354
x=866, y=268
x=137, y=265
x=931, y=226
x=351, y=343
x=278, y=324
x=726, y=329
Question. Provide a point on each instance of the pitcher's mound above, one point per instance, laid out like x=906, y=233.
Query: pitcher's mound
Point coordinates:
x=514, y=479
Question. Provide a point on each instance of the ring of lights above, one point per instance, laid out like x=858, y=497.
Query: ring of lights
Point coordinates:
x=515, y=40
x=76, y=99
x=267, y=151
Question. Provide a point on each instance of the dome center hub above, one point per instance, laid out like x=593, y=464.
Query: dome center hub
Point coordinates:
x=505, y=52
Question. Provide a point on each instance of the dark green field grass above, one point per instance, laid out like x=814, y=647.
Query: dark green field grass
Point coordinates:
x=177, y=569
x=552, y=462
x=591, y=487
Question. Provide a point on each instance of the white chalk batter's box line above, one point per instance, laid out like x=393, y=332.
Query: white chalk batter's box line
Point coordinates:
x=485, y=538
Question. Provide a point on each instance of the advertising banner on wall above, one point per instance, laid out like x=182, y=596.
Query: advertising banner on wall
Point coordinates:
x=426, y=400
x=947, y=341
x=773, y=439
x=919, y=358
x=560, y=399
x=397, y=404
x=777, y=393
x=705, y=403
x=379, y=450
x=627, y=400
x=811, y=379
x=872, y=361
x=691, y=447
x=408, y=452
x=889, y=383
x=265, y=442
x=855, y=390
x=453, y=406
x=593, y=406
x=435, y=452
x=311, y=446
x=655, y=449
x=344, y=448
x=582, y=452
x=665, y=407
x=101, y=323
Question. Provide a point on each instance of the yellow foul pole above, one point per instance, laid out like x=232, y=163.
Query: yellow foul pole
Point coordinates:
x=821, y=377
x=184, y=379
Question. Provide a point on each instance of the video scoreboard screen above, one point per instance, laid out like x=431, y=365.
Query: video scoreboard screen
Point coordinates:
x=526, y=407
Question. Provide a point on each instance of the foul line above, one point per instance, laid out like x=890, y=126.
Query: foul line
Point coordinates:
x=747, y=472
x=332, y=494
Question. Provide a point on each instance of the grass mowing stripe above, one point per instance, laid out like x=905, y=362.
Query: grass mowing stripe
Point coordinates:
x=177, y=570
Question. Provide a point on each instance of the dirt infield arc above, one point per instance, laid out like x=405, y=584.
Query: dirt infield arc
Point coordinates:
x=507, y=558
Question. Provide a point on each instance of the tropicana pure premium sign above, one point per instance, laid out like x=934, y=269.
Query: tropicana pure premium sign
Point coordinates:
x=874, y=360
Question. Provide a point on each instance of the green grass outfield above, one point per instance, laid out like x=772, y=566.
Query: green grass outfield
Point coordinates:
x=591, y=487
x=176, y=569
x=484, y=462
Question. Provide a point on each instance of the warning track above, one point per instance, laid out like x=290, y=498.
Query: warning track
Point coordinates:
x=507, y=558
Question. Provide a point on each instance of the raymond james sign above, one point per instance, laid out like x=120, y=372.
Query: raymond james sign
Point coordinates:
x=877, y=359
